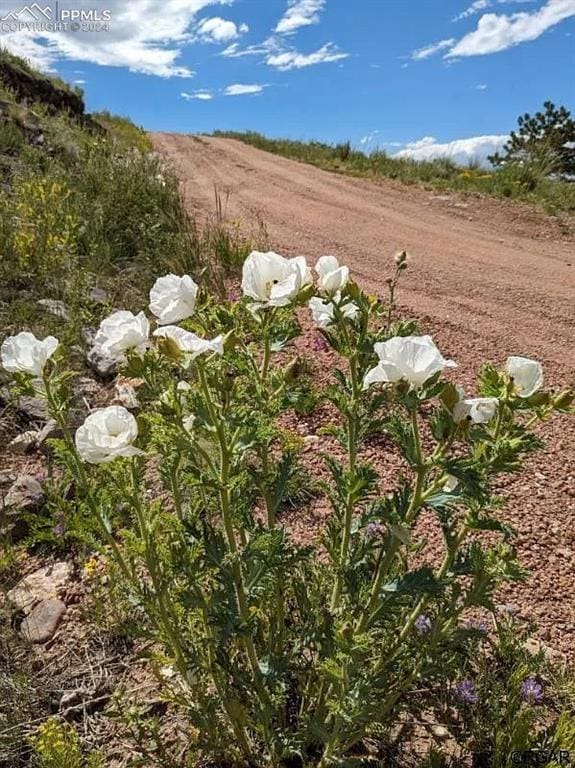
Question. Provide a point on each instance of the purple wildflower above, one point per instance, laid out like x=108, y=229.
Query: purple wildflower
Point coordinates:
x=375, y=531
x=531, y=691
x=480, y=625
x=466, y=693
x=423, y=624
x=319, y=344
x=59, y=529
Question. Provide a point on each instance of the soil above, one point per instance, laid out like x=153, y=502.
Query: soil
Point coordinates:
x=487, y=278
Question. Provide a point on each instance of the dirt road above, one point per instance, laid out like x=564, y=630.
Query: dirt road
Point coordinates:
x=487, y=278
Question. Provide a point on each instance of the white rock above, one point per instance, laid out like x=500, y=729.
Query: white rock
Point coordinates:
x=43, y=584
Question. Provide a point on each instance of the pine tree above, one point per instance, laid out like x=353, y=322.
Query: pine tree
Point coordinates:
x=547, y=136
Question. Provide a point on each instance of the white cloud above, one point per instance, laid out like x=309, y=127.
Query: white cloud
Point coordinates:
x=234, y=51
x=79, y=82
x=299, y=13
x=498, y=32
x=242, y=89
x=146, y=37
x=481, y=87
x=476, y=7
x=218, y=30
x=292, y=59
x=482, y=5
x=201, y=95
x=461, y=151
x=429, y=50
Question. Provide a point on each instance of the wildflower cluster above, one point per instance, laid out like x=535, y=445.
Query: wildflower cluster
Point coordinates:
x=280, y=653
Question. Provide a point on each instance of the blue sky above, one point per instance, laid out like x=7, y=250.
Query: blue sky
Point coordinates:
x=404, y=75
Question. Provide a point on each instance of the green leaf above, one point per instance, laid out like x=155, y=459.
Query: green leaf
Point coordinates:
x=420, y=581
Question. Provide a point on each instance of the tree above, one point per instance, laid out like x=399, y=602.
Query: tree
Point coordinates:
x=547, y=136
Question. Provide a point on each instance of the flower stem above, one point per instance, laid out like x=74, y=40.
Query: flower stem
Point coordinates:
x=352, y=446
x=417, y=499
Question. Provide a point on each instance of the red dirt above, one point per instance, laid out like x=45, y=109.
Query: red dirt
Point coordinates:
x=488, y=278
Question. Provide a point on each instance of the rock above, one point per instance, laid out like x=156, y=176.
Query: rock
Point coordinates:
x=43, y=621
x=509, y=609
x=56, y=308
x=25, y=493
x=7, y=477
x=40, y=585
x=24, y=443
x=89, y=336
x=48, y=431
x=32, y=408
x=125, y=393
x=440, y=731
x=103, y=366
x=98, y=295
x=534, y=645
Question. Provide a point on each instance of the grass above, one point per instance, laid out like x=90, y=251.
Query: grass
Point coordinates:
x=528, y=183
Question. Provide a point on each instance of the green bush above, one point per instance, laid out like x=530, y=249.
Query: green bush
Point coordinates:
x=285, y=654
x=11, y=139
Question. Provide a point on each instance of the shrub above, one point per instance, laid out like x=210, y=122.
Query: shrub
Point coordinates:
x=57, y=746
x=280, y=653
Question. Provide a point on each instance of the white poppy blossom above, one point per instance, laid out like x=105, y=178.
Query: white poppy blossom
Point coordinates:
x=120, y=332
x=173, y=298
x=479, y=409
x=322, y=310
x=527, y=375
x=273, y=280
x=107, y=434
x=414, y=359
x=24, y=353
x=188, y=343
x=332, y=276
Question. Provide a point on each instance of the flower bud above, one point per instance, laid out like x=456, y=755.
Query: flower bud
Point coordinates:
x=564, y=400
x=400, y=258
x=169, y=348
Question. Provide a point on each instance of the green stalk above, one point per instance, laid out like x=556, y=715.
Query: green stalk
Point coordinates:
x=416, y=502
x=239, y=730
x=237, y=575
x=168, y=618
x=352, y=440
x=56, y=413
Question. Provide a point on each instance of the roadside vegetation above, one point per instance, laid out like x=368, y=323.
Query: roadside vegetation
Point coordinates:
x=157, y=609
x=528, y=171
x=87, y=210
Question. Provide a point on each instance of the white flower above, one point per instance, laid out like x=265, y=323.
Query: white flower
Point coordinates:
x=272, y=279
x=332, y=277
x=24, y=353
x=173, y=298
x=479, y=409
x=107, y=434
x=414, y=359
x=188, y=342
x=450, y=484
x=322, y=310
x=527, y=375
x=183, y=386
x=122, y=331
x=189, y=422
